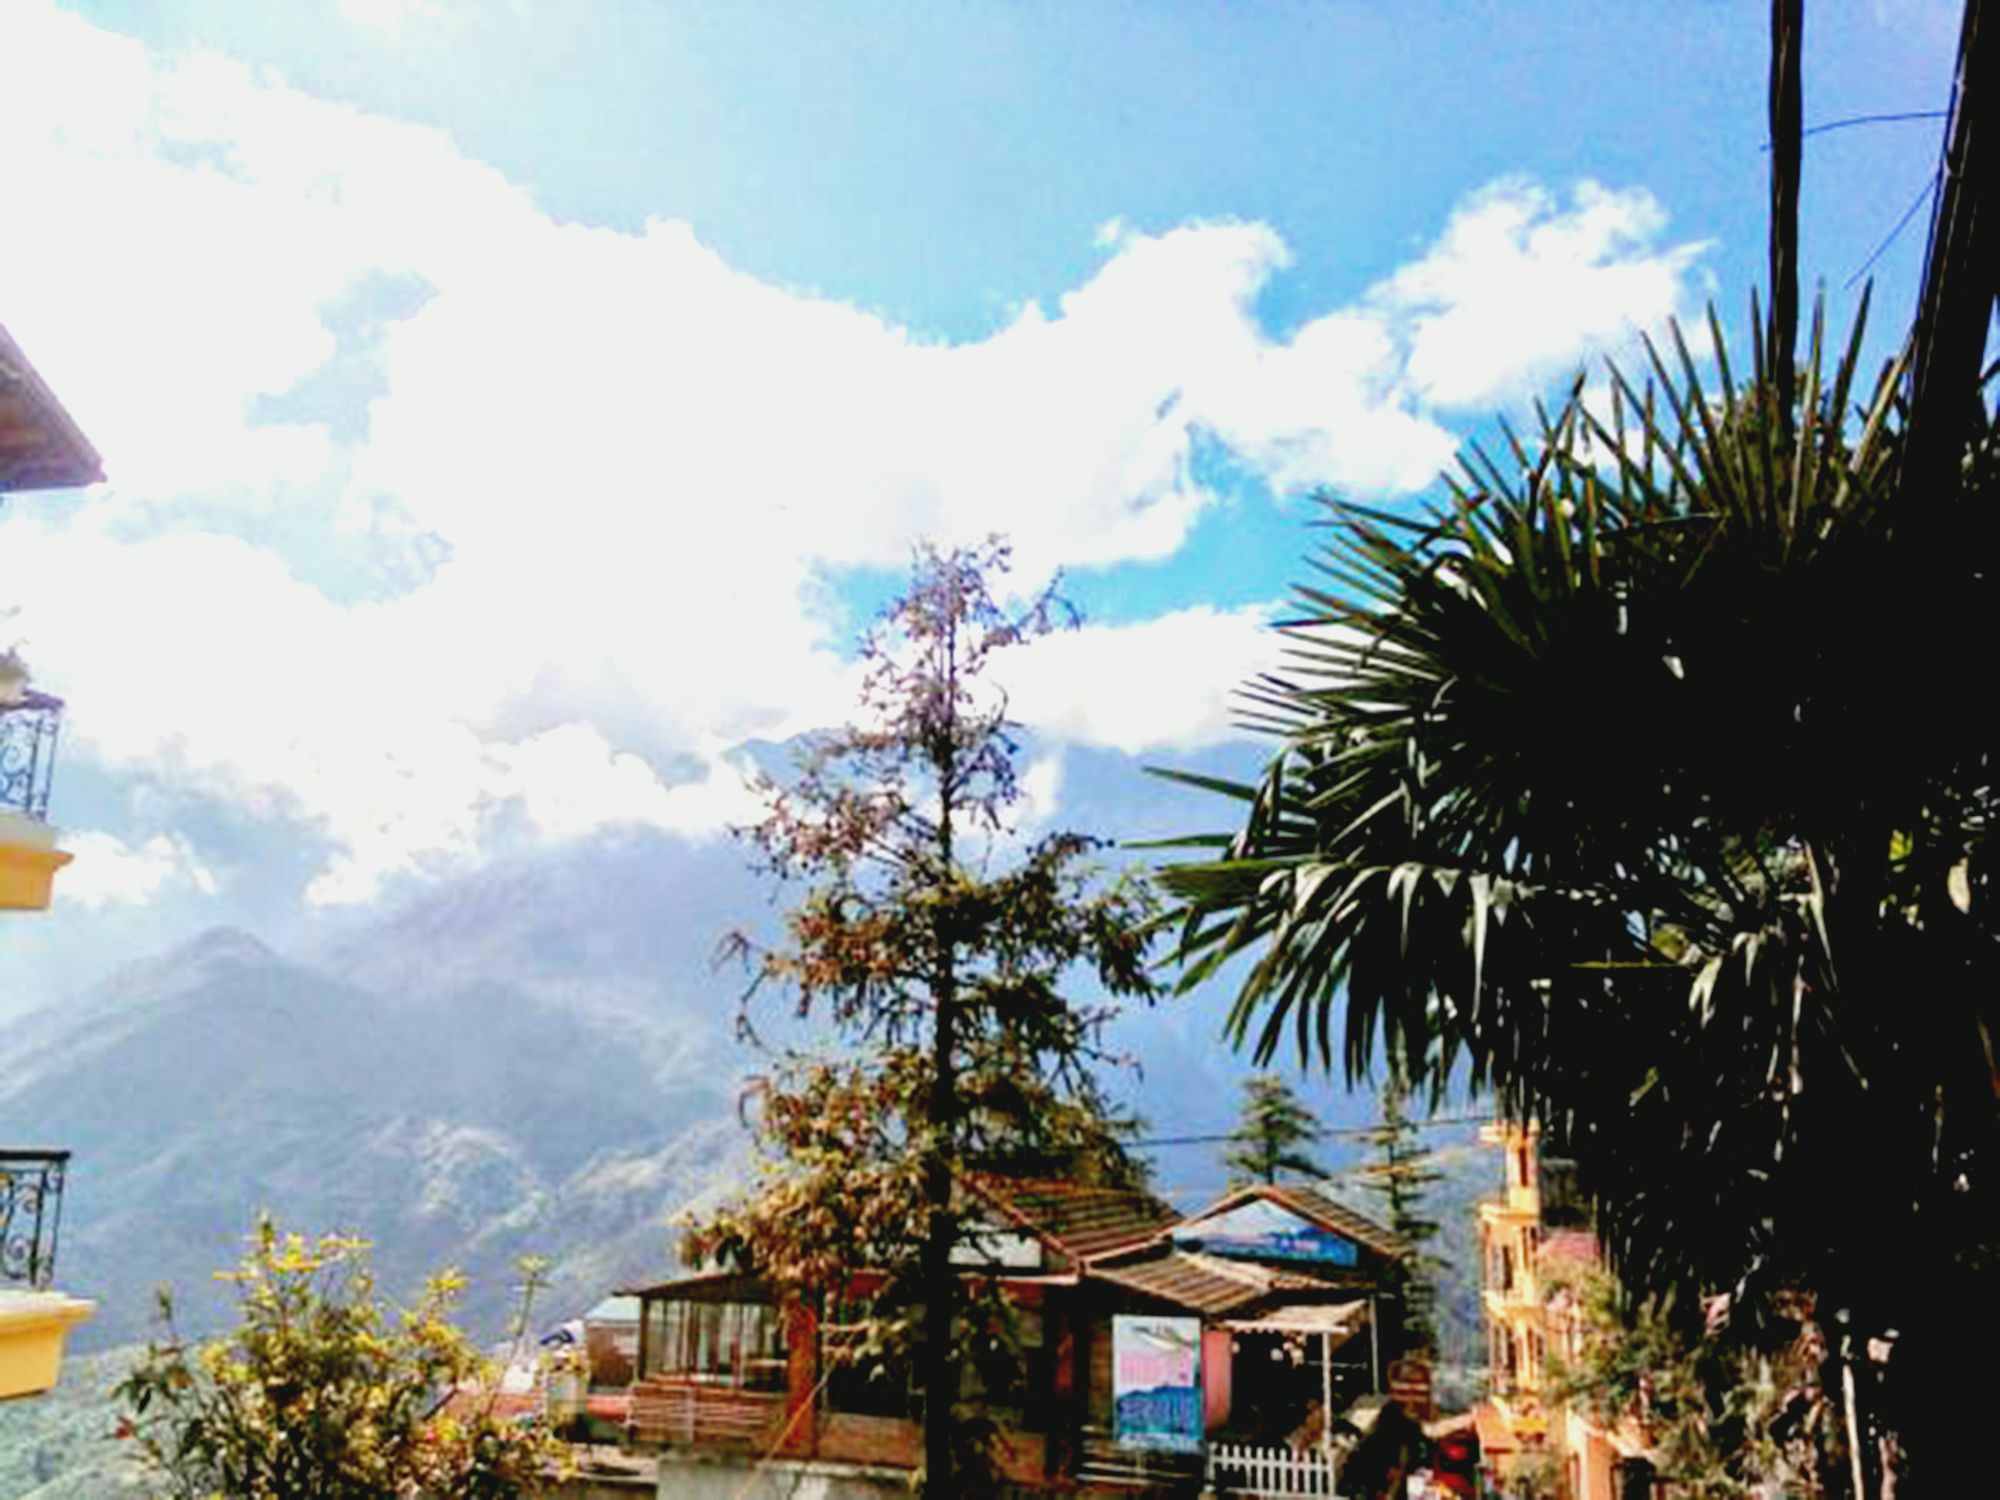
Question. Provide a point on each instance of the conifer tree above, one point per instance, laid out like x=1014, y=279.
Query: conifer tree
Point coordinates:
x=1274, y=1134
x=938, y=944
x=1399, y=1174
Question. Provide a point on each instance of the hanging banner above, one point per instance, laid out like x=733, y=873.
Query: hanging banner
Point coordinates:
x=1156, y=1383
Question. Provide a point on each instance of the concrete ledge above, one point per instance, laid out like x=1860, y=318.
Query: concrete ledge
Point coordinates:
x=33, y=1329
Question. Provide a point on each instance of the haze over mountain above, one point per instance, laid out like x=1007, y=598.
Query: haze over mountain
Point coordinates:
x=539, y=1057
x=450, y=1081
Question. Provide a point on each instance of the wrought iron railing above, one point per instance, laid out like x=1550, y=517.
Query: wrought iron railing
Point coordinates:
x=28, y=728
x=31, y=1184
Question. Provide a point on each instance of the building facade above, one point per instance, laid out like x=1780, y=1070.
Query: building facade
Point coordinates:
x=1160, y=1352
x=40, y=449
x=1531, y=1439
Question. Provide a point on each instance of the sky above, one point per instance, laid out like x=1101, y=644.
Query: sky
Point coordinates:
x=512, y=408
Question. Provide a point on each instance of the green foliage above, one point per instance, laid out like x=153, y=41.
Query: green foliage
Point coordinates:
x=939, y=944
x=1273, y=1134
x=321, y=1391
x=1723, y=1420
x=1401, y=1175
x=1642, y=783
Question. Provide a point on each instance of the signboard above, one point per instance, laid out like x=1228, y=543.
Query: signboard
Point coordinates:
x=1261, y=1230
x=1410, y=1387
x=1156, y=1383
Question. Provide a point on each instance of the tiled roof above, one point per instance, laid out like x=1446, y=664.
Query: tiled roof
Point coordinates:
x=1204, y=1283
x=1317, y=1207
x=1496, y=1432
x=1575, y=1247
x=40, y=447
x=1078, y=1219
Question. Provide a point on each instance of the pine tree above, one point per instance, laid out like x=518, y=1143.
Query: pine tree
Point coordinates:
x=1273, y=1136
x=1399, y=1174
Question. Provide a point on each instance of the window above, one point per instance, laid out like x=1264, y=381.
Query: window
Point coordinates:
x=720, y=1343
x=856, y=1383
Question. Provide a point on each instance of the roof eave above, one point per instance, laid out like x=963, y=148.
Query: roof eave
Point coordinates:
x=69, y=461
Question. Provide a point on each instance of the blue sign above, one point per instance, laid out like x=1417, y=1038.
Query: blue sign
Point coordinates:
x=1263, y=1231
x=1156, y=1383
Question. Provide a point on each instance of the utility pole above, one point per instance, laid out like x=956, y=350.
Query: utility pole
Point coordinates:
x=1787, y=27
x=1962, y=268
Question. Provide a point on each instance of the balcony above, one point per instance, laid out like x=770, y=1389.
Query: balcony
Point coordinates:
x=29, y=859
x=34, y=1320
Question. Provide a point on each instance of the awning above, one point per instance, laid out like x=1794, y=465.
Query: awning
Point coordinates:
x=1342, y=1318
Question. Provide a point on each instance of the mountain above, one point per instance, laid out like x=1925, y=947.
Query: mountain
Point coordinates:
x=447, y=1081
x=61, y=1446
x=536, y=1058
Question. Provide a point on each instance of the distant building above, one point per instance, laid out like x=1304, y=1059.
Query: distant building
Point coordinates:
x=1164, y=1352
x=1524, y=1428
x=40, y=449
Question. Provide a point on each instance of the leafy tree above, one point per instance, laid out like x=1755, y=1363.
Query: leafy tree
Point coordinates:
x=1273, y=1135
x=1400, y=1174
x=1640, y=782
x=1723, y=1419
x=938, y=943
x=320, y=1391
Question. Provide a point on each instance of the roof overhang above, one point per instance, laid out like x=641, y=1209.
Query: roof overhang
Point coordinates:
x=41, y=447
x=1342, y=1319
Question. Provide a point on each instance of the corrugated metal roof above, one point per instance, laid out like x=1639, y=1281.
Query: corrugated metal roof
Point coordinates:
x=712, y=1286
x=1343, y=1318
x=1078, y=1219
x=1204, y=1283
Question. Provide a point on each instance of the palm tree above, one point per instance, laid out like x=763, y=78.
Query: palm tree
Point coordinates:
x=1645, y=782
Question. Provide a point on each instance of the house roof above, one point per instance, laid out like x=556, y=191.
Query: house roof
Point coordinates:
x=1573, y=1247
x=1078, y=1219
x=1316, y=1207
x=40, y=447
x=1343, y=1318
x=1204, y=1283
x=703, y=1286
x=619, y=1307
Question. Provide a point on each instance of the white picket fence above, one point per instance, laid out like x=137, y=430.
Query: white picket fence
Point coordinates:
x=1242, y=1469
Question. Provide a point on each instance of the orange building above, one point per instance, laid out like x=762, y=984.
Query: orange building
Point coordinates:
x=1531, y=1440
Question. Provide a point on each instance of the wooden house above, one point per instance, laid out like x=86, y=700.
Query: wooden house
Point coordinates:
x=1159, y=1348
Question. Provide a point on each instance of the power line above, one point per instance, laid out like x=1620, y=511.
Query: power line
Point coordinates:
x=1846, y=122
x=1434, y=1123
x=1929, y=191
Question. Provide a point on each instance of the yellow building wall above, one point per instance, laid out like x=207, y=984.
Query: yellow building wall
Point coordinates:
x=33, y=1329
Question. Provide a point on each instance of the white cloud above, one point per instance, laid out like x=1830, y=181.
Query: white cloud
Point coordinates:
x=635, y=464
x=108, y=871
x=389, y=17
x=1518, y=289
x=1163, y=684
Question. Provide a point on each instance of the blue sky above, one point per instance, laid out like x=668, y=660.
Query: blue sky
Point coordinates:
x=511, y=406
